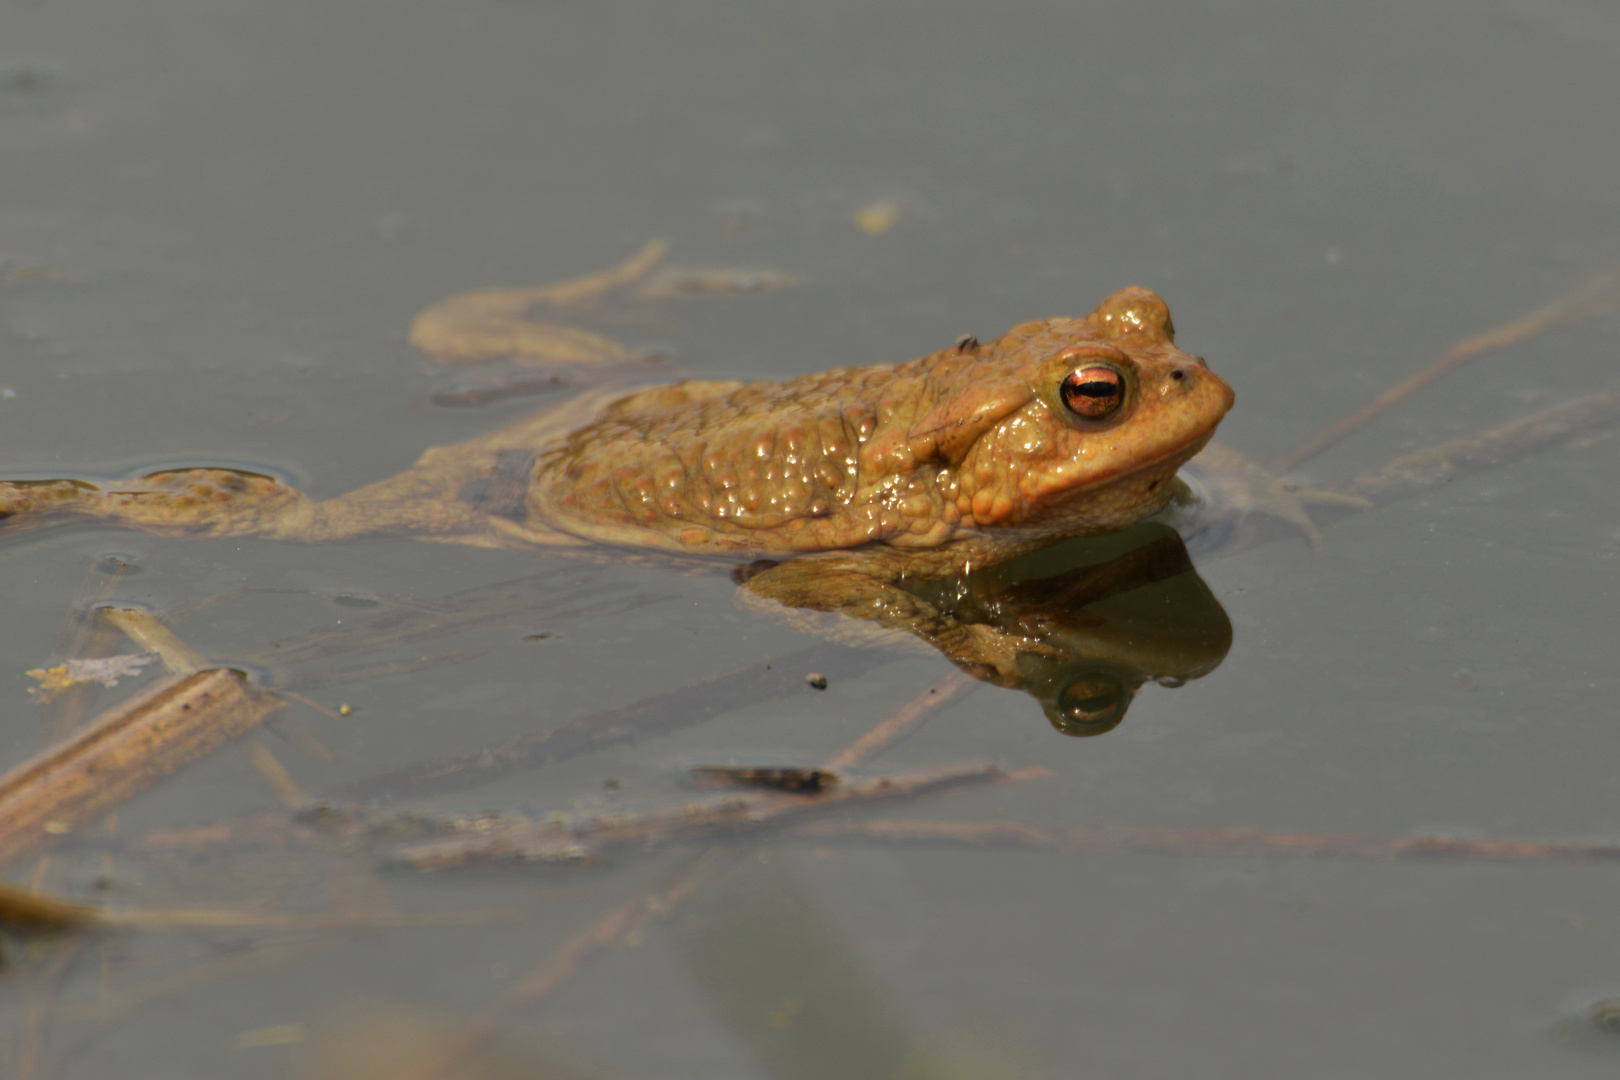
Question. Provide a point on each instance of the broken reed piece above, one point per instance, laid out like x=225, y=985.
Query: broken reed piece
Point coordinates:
x=122, y=752
x=563, y=840
x=148, y=631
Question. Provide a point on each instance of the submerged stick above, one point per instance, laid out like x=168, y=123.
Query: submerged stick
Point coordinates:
x=124, y=751
x=147, y=630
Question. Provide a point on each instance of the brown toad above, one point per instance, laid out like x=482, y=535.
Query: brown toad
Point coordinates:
x=832, y=492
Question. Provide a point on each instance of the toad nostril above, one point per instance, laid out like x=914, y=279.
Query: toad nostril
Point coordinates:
x=1178, y=374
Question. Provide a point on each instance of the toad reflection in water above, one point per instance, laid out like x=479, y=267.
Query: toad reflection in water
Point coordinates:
x=916, y=498
x=1101, y=616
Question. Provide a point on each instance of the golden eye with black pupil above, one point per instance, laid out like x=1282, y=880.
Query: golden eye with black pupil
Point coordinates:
x=1095, y=393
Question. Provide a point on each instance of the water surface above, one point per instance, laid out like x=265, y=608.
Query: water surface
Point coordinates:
x=218, y=219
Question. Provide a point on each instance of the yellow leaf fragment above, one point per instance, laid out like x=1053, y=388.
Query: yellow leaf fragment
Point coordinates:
x=878, y=218
x=105, y=670
x=52, y=681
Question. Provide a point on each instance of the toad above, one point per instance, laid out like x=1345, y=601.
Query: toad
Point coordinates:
x=838, y=492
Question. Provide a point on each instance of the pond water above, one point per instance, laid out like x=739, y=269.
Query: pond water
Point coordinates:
x=217, y=220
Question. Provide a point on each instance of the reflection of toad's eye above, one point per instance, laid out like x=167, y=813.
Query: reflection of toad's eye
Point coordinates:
x=1095, y=393
x=1092, y=703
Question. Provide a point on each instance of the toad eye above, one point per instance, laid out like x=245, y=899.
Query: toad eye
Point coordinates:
x=1095, y=393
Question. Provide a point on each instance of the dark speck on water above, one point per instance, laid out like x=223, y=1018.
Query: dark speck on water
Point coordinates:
x=23, y=77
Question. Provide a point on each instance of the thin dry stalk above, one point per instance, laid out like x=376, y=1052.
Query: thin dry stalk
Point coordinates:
x=267, y=765
x=192, y=918
x=1486, y=449
x=1594, y=298
x=634, y=914
x=1106, y=838
x=902, y=722
x=570, y=959
x=331, y=714
x=29, y=1060
x=558, y=594
x=353, y=673
x=88, y=637
x=259, y=956
x=501, y=838
x=301, y=738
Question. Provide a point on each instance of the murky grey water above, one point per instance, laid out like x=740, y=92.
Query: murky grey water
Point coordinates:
x=240, y=206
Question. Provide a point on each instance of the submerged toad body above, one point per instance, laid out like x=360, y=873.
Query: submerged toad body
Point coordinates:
x=835, y=489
